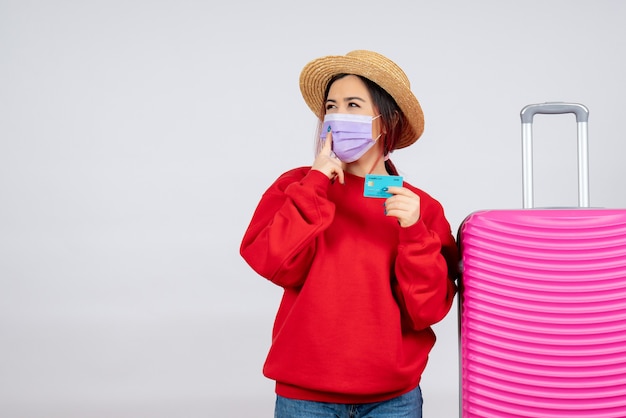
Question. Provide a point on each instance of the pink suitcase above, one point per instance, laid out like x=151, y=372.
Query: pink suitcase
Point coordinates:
x=542, y=302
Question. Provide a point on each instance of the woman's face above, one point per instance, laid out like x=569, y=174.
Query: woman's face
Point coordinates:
x=350, y=95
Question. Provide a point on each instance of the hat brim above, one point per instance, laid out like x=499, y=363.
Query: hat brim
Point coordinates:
x=316, y=74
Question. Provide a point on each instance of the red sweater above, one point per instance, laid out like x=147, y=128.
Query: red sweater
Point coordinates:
x=360, y=292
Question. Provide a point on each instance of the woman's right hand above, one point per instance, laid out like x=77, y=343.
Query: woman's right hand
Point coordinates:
x=327, y=162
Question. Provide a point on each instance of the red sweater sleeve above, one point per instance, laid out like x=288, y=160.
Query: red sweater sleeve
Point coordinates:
x=426, y=268
x=280, y=240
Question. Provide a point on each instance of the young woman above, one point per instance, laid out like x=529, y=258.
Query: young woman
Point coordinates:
x=364, y=278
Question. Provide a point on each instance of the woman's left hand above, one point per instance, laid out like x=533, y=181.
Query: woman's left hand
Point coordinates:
x=404, y=205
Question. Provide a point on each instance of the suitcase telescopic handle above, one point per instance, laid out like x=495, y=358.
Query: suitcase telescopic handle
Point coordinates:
x=582, y=118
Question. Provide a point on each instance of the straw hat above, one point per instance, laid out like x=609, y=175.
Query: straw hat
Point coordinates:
x=373, y=66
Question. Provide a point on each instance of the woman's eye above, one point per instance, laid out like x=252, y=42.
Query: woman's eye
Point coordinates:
x=330, y=106
x=353, y=104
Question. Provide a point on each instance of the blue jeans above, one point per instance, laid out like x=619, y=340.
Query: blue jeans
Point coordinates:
x=408, y=405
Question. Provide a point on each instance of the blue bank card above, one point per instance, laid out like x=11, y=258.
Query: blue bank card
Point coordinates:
x=375, y=185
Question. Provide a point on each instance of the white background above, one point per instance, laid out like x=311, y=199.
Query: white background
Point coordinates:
x=136, y=138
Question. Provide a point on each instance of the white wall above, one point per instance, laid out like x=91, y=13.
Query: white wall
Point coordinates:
x=136, y=138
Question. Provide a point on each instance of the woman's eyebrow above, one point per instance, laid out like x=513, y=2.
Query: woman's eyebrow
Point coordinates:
x=347, y=99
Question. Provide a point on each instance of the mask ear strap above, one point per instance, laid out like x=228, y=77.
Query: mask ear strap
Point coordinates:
x=382, y=153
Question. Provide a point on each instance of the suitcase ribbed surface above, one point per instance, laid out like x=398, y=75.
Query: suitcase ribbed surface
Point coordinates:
x=543, y=313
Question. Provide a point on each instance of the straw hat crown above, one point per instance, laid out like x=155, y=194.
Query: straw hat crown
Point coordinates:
x=381, y=70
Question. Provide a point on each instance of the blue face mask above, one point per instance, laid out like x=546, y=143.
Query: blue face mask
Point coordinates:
x=352, y=135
